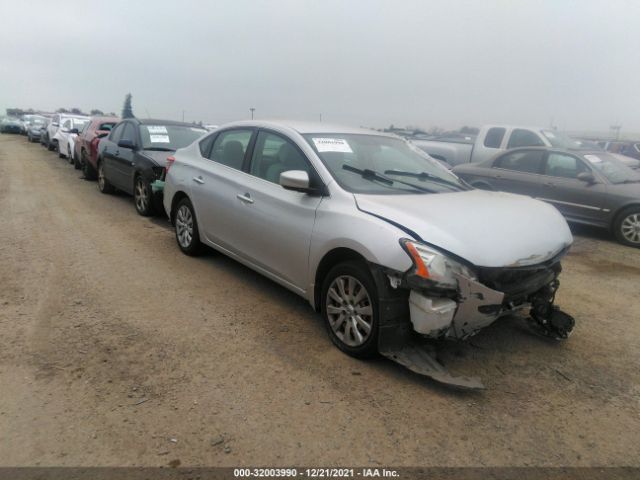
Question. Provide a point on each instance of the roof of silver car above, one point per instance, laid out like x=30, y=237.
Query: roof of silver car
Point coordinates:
x=303, y=127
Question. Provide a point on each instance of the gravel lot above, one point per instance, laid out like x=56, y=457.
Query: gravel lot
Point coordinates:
x=116, y=349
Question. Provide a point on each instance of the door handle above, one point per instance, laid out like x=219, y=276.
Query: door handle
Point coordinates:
x=117, y=154
x=246, y=198
x=549, y=184
x=198, y=180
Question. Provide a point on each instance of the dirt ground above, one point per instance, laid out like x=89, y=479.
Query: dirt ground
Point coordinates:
x=116, y=349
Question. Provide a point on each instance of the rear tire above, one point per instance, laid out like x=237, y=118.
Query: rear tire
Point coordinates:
x=143, y=196
x=87, y=170
x=103, y=184
x=186, y=228
x=626, y=227
x=350, y=308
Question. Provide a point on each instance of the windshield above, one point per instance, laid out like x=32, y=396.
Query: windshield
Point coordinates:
x=610, y=167
x=378, y=164
x=168, y=137
x=560, y=140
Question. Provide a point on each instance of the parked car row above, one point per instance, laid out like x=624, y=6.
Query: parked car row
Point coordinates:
x=390, y=246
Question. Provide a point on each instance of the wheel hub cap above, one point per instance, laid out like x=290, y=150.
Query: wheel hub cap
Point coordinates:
x=184, y=226
x=349, y=310
x=631, y=228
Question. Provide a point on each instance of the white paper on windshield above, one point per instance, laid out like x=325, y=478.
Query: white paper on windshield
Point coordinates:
x=593, y=158
x=157, y=129
x=549, y=135
x=332, y=145
x=159, y=138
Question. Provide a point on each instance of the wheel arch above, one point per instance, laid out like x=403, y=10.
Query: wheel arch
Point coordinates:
x=616, y=215
x=328, y=261
x=177, y=198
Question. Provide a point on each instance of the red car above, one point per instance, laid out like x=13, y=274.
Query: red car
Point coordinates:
x=86, y=146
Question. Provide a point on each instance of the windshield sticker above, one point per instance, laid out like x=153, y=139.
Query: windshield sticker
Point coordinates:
x=157, y=129
x=159, y=138
x=549, y=135
x=193, y=129
x=332, y=145
x=593, y=158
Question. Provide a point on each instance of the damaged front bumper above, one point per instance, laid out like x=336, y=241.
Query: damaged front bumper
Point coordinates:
x=478, y=301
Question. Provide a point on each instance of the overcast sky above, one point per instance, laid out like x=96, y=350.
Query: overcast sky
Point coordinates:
x=357, y=62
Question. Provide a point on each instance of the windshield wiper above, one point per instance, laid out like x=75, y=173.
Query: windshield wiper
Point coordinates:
x=630, y=180
x=373, y=176
x=160, y=149
x=424, y=176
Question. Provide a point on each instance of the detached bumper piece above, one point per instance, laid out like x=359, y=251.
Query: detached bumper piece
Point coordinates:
x=421, y=359
x=548, y=319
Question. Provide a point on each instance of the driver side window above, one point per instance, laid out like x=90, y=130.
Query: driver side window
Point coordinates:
x=564, y=166
x=273, y=155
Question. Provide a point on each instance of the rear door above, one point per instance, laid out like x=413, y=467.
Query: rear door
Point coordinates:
x=123, y=159
x=215, y=185
x=108, y=149
x=577, y=200
x=518, y=172
x=275, y=224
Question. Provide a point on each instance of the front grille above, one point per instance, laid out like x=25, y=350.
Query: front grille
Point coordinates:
x=517, y=283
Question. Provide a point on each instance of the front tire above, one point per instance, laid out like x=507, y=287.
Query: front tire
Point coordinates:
x=350, y=308
x=70, y=154
x=626, y=228
x=186, y=228
x=142, y=196
x=103, y=184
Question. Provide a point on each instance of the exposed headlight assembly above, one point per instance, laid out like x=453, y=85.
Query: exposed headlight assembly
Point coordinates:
x=431, y=264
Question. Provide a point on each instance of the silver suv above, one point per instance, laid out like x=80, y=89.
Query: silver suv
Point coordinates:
x=387, y=244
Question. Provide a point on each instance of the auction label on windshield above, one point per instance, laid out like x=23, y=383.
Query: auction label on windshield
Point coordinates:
x=159, y=138
x=332, y=145
x=156, y=129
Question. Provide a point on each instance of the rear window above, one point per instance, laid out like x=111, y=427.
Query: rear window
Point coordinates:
x=494, y=137
x=524, y=138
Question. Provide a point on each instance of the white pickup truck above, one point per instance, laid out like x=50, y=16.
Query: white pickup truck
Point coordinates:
x=491, y=140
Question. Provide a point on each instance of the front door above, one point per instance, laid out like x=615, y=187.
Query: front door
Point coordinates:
x=276, y=233
x=576, y=199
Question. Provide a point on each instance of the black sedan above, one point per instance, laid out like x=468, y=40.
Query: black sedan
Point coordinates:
x=593, y=188
x=133, y=157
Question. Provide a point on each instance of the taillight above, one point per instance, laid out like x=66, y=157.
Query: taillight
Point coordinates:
x=170, y=160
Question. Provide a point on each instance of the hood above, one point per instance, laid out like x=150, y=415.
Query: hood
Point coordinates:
x=159, y=158
x=488, y=229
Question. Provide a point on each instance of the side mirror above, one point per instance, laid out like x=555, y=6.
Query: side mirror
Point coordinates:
x=126, y=144
x=74, y=130
x=297, y=180
x=587, y=177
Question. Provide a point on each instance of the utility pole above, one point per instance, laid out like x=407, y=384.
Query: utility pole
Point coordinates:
x=183, y=115
x=252, y=110
x=616, y=128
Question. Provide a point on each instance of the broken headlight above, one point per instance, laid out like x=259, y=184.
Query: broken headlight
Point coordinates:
x=431, y=264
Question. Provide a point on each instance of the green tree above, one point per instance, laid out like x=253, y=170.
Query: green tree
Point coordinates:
x=127, y=111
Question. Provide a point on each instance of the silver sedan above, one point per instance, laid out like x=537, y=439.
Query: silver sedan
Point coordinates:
x=385, y=242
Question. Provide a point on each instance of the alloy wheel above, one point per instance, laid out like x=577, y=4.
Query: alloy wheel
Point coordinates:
x=184, y=226
x=141, y=195
x=630, y=228
x=349, y=310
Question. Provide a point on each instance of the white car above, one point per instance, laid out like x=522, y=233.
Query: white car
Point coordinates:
x=55, y=125
x=389, y=246
x=65, y=136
